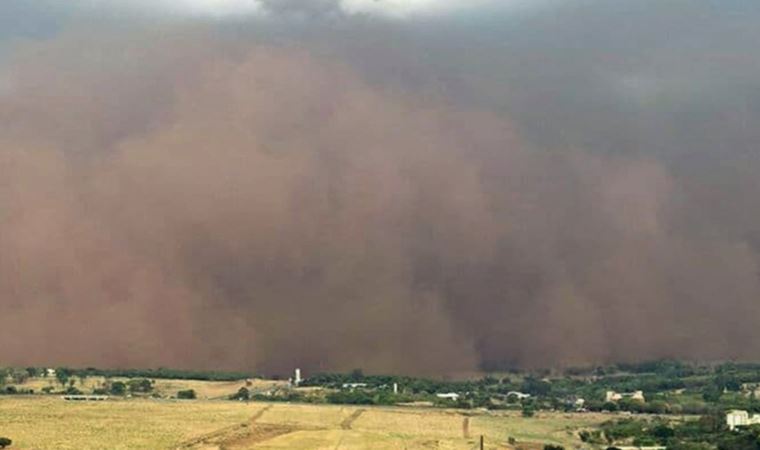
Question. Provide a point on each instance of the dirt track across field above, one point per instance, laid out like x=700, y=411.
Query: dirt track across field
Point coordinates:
x=240, y=436
x=346, y=424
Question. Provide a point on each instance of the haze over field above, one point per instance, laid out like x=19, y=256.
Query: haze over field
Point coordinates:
x=426, y=187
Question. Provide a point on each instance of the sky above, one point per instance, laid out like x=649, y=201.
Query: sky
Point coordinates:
x=420, y=187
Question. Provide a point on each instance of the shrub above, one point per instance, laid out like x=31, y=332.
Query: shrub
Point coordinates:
x=188, y=394
x=663, y=432
x=610, y=406
x=553, y=447
x=242, y=394
x=350, y=398
x=591, y=437
x=118, y=388
x=142, y=385
x=5, y=442
x=73, y=391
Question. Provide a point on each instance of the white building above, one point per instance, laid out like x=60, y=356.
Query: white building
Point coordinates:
x=739, y=418
x=354, y=385
x=449, y=396
x=613, y=396
x=86, y=398
x=518, y=395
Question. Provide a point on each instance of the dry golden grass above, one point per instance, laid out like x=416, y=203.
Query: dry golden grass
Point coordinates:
x=432, y=423
x=36, y=422
x=557, y=428
x=165, y=388
x=51, y=423
x=346, y=439
x=212, y=389
x=87, y=385
x=306, y=416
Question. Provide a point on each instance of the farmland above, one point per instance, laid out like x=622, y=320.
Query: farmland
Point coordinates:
x=52, y=423
x=662, y=403
x=47, y=422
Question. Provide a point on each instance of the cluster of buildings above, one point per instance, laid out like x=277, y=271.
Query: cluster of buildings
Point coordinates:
x=576, y=402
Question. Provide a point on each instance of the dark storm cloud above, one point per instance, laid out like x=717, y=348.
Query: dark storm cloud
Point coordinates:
x=433, y=193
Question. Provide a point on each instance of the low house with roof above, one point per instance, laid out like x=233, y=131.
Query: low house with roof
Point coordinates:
x=740, y=418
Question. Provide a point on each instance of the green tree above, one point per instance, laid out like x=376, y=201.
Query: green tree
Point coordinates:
x=142, y=385
x=711, y=393
x=62, y=374
x=727, y=382
x=187, y=394
x=357, y=375
x=610, y=406
x=19, y=376
x=591, y=437
x=742, y=440
x=535, y=386
x=71, y=390
x=662, y=432
x=118, y=388
x=242, y=394
x=5, y=442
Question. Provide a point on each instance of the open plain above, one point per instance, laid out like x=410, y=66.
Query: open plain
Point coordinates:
x=47, y=422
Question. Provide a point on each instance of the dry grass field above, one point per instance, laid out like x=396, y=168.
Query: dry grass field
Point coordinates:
x=47, y=422
x=52, y=423
x=38, y=383
x=208, y=390
x=216, y=390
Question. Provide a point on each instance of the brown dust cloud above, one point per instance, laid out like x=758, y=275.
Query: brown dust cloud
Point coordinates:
x=331, y=191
